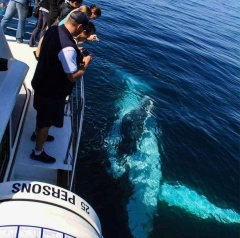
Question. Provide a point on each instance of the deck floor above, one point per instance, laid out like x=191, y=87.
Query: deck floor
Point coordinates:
x=58, y=147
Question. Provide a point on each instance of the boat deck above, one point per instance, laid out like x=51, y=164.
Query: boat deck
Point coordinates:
x=26, y=168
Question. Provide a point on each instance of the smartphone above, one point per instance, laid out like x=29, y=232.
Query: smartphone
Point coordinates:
x=85, y=52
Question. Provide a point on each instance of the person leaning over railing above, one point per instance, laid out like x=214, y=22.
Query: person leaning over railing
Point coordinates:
x=21, y=8
x=59, y=66
x=93, y=15
x=96, y=11
x=68, y=6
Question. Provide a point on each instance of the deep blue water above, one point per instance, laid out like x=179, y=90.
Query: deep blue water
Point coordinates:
x=172, y=171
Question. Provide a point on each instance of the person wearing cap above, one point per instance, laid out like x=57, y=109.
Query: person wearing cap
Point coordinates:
x=95, y=11
x=59, y=66
x=92, y=15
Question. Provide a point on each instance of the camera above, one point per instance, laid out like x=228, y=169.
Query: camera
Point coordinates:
x=86, y=52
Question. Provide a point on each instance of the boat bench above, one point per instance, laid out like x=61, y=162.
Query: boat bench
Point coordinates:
x=10, y=85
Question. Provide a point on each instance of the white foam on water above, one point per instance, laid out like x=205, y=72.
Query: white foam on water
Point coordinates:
x=117, y=168
x=129, y=102
x=145, y=175
x=196, y=204
x=144, y=168
x=145, y=172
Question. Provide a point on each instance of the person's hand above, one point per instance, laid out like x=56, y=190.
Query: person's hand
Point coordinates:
x=93, y=38
x=87, y=60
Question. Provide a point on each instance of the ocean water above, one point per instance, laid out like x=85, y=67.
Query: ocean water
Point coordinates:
x=159, y=153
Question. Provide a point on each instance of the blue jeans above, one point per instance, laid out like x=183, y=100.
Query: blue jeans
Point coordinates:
x=22, y=11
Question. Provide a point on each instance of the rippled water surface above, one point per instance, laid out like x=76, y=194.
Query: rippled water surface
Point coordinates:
x=183, y=178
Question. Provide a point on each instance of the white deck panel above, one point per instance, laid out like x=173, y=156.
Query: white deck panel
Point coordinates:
x=58, y=147
x=23, y=53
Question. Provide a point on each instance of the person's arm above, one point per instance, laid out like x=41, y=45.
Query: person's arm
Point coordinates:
x=93, y=38
x=68, y=56
x=81, y=69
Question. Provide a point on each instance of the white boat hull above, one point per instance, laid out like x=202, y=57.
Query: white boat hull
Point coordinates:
x=35, y=209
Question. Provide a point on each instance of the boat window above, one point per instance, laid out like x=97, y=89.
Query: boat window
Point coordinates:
x=22, y=231
x=4, y=153
x=17, y=112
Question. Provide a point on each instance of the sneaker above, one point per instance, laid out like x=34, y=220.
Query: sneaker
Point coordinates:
x=49, y=137
x=19, y=40
x=43, y=157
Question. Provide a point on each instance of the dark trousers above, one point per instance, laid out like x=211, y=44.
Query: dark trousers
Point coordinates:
x=40, y=27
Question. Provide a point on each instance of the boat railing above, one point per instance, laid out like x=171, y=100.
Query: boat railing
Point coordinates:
x=28, y=23
x=77, y=102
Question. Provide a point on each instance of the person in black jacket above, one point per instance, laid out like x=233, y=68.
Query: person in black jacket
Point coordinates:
x=41, y=23
x=67, y=7
x=59, y=66
x=55, y=11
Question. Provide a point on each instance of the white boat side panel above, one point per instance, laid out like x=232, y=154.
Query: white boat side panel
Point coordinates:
x=20, y=64
x=10, y=84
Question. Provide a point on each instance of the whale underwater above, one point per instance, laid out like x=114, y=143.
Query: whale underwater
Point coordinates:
x=133, y=149
x=132, y=126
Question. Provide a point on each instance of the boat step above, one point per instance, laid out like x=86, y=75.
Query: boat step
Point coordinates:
x=42, y=174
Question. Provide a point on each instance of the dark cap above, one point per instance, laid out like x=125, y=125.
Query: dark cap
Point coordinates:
x=80, y=18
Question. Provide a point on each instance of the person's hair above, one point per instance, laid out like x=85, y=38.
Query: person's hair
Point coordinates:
x=86, y=9
x=97, y=11
x=78, y=1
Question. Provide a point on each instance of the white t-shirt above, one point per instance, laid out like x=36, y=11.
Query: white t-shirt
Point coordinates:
x=68, y=58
